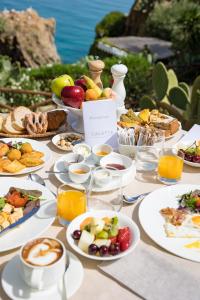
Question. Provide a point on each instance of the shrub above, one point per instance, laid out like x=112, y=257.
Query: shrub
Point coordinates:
x=113, y=24
x=180, y=23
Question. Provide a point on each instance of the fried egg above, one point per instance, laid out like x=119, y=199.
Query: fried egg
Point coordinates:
x=190, y=228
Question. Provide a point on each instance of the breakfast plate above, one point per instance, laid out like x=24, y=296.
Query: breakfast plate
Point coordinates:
x=153, y=222
x=32, y=227
x=16, y=289
x=64, y=178
x=37, y=146
x=124, y=221
x=186, y=145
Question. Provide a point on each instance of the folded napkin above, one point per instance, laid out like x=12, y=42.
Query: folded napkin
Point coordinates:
x=149, y=273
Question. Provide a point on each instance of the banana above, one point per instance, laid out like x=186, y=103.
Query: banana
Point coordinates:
x=91, y=85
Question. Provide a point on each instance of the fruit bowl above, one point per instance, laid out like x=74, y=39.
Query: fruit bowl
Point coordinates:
x=123, y=220
x=75, y=115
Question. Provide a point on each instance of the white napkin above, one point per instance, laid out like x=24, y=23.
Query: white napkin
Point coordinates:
x=153, y=275
x=192, y=135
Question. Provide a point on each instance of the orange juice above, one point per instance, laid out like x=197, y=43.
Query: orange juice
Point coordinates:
x=170, y=167
x=70, y=204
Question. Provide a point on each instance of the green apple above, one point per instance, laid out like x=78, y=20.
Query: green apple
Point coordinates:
x=60, y=82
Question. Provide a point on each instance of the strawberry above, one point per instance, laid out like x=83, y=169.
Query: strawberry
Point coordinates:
x=124, y=245
x=113, y=239
x=123, y=235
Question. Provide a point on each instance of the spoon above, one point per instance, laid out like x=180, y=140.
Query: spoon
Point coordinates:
x=133, y=199
x=38, y=179
x=56, y=172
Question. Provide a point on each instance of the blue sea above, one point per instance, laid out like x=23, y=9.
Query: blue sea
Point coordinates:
x=75, y=20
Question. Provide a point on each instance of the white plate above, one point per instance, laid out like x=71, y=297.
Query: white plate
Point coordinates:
x=153, y=222
x=185, y=145
x=32, y=227
x=16, y=289
x=64, y=178
x=124, y=221
x=57, y=138
x=38, y=146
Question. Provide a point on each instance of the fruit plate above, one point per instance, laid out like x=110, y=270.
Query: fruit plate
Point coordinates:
x=185, y=145
x=153, y=222
x=36, y=224
x=64, y=178
x=36, y=146
x=124, y=221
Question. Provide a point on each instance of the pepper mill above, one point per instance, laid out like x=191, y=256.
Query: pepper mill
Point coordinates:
x=119, y=72
x=96, y=67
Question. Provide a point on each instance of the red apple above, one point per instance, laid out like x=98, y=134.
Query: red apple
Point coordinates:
x=81, y=82
x=73, y=96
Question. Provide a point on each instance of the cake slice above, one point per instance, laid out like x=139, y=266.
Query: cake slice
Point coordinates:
x=18, y=116
x=7, y=126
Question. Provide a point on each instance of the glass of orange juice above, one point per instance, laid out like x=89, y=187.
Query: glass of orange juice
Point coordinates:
x=170, y=166
x=70, y=204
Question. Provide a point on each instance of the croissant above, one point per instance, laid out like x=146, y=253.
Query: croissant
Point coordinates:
x=36, y=123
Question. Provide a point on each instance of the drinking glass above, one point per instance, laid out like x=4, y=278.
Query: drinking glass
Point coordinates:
x=146, y=158
x=70, y=204
x=170, y=166
x=107, y=196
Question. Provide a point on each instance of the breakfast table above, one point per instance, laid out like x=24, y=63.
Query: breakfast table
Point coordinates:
x=96, y=285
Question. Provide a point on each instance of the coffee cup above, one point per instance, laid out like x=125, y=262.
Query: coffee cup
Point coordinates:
x=43, y=262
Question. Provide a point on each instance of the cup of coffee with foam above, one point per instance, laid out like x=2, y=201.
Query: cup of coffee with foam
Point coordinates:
x=43, y=262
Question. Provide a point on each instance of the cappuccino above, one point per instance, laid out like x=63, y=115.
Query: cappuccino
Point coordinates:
x=42, y=252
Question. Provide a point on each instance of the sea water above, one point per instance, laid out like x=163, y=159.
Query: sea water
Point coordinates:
x=75, y=20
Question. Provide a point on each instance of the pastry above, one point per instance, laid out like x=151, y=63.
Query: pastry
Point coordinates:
x=36, y=123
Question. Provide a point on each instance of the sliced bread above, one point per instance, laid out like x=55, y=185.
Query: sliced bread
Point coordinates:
x=7, y=126
x=1, y=122
x=18, y=115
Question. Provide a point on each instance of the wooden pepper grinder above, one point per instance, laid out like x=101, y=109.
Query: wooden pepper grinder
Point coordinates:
x=119, y=72
x=96, y=67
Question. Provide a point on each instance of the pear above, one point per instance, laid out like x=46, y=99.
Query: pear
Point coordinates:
x=91, y=85
x=97, y=225
x=107, y=93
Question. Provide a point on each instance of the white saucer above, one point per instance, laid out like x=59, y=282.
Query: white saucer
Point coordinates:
x=16, y=289
x=64, y=178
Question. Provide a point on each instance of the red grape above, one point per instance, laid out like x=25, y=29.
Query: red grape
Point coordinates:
x=93, y=249
x=76, y=234
x=103, y=250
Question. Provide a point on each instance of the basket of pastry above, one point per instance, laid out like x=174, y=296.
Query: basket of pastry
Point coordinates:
x=22, y=122
x=152, y=118
x=17, y=206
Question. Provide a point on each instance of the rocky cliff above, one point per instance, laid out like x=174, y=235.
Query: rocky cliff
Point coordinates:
x=28, y=38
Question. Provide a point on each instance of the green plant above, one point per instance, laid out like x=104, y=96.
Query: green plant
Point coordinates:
x=113, y=24
x=13, y=76
x=178, y=22
x=173, y=96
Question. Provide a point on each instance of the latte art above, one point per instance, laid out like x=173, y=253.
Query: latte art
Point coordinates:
x=42, y=252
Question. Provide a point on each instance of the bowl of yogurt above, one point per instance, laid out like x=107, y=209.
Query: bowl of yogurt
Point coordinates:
x=102, y=176
x=82, y=149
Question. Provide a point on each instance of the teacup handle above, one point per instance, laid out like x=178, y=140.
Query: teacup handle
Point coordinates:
x=36, y=278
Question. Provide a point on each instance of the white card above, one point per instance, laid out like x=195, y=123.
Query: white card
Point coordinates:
x=100, y=122
x=192, y=135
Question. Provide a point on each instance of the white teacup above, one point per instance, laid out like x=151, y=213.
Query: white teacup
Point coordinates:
x=42, y=276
